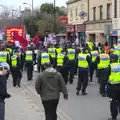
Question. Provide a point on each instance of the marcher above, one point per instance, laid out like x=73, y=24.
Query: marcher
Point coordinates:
x=30, y=60
x=114, y=86
x=71, y=53
x=43, y=58
x=49, y=84
x=83, y=61
x=3, y=89
x=103, y=61
x=62, y=65
x=52, y=52
x=16, y=70
x=94, y=55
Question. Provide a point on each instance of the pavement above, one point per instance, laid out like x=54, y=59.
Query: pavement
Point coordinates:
x=20, y=106
x=25, y=104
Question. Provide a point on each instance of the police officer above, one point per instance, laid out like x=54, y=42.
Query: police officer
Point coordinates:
x=71, y=54
x=83, y=61
x=53, y=53
x=4, y=56
x=16, y=70
x=94, y=55
x=30, y=60
x=58, y=48
x=103, y=61
x=114, y=86
x=43, y=58
x=62, y=65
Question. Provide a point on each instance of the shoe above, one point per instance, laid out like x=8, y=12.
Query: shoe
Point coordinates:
x=19, y=85
x=84, y=93
x=14, y=85
x=71, y=82
x=112, y=118
x=103, y=95
x=77, y=93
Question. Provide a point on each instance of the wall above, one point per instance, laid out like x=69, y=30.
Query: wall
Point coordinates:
x=81, y=5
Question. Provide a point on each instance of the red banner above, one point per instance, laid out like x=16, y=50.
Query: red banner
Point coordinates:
x=11, y=30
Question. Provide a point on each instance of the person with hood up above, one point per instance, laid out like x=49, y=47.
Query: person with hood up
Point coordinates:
x=48, y=85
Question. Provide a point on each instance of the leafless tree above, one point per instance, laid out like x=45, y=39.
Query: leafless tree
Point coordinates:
x=5, y=12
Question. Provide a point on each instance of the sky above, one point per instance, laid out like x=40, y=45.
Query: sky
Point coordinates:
x=37, y=3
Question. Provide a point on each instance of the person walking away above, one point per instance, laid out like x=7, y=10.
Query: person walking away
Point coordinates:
x=16, y=70
x=83, y=62
x=94, y=55
x=103, y=61
x=71, y=54
x=53, y=53
x=114, y=86
x=3, y=90
x=62, y=65
x=43, y=58
x=107, y=48
x=48, y=85
x=30, y=60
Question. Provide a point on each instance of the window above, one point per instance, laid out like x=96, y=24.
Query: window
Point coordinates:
x=101, y=12
x=71, y=14
x=82, y=7
x=108, y=11
x=76, y=11
x=115, y=8
x=94, y=13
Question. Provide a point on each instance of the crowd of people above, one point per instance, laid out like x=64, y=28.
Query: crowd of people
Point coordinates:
x=57, y=65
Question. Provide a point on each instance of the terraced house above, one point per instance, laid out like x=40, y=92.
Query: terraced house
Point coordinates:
x=96, y=17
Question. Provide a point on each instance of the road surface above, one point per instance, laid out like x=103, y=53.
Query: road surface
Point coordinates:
x=89, y=107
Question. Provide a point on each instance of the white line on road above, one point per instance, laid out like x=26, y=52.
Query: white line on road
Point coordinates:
x=59, y=111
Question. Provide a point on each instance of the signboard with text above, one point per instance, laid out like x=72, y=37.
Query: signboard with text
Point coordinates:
x=11, y=30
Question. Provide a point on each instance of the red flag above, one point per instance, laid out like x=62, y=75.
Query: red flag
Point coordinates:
x=36, y=39
x=21, y=39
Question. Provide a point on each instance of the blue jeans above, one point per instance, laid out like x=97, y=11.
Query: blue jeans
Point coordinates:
x=2, y=110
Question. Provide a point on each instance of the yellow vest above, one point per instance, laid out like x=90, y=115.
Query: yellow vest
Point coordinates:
x=29, y=55
x=114, y=78
x=71, y=54
x=104, y=61
x=59, y=50
x=82, y=62
x=3, y=56
x=60, y=59
x=52, y=53
x=94, y=55
x=14, y=61
x=45, y=58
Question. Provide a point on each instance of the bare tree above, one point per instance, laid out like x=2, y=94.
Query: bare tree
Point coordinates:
x=5, y=13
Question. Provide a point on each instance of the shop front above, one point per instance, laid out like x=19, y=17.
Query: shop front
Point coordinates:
x=74, y=31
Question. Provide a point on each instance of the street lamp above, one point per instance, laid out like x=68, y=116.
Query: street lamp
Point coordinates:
x=29, y=5
x=54, y=16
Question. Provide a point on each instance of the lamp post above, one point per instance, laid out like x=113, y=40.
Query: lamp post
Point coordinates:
x=54, y=16
x=29, y=5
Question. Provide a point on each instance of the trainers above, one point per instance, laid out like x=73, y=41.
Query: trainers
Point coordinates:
x=84, y=93
x=112, y=118
x=77, y=93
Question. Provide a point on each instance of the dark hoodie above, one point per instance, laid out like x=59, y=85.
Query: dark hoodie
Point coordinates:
x=49, y=84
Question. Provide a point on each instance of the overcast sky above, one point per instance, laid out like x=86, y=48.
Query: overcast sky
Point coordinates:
x=37, y=3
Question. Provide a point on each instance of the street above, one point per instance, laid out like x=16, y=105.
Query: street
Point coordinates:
x=90, y=107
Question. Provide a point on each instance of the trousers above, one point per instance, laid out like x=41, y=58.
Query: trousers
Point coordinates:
x=2, y=110
x=50, y=108
x=82, y=80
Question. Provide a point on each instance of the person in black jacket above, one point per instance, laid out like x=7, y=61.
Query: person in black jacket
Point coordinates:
x=3, y=91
